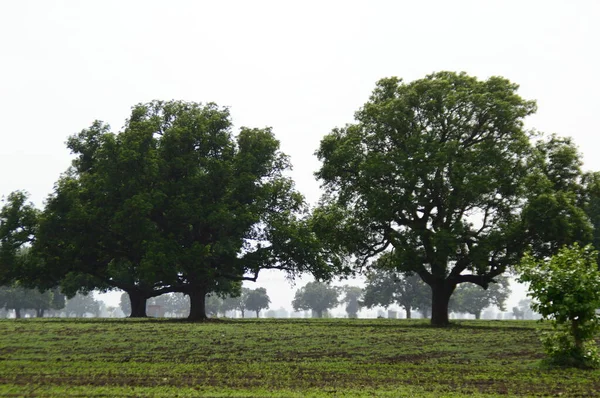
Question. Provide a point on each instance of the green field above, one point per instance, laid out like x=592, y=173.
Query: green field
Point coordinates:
x=328, y=358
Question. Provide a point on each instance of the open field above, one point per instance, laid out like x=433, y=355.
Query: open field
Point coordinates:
x=335, y=357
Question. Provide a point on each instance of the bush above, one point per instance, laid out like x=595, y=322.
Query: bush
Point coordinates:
x=566, y=290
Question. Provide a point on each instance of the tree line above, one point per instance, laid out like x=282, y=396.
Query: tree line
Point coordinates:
x=437, y=179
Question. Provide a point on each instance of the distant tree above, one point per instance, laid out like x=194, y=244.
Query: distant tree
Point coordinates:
x=17, y=298
x=257, y=300
x=316, y=296
x=125, y=304
x=51, y=299
x=177, y=304
x=473, y=299
x=566, y=289
x=351, y=299
x=385, y=287
x=213, y=304
x=82, y=304
x=236, y=302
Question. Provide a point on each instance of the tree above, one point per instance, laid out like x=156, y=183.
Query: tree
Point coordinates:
x=82, y=304
x=385, y=287
x=213, y=304
x=125, y=304
x=257, y=300
x=176, y=304
x=18, y=298
x=176, y=203
x=18, y=227
x=435, y=169
x=316, y=296
x=566, y=289
x=236, y=302
x=351, y=299
x=472, y=299
x=560, y=198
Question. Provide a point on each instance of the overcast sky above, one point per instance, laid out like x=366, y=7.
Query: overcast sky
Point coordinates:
x=300, y=67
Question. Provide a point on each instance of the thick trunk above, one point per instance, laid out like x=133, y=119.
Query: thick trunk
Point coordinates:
x=257, y=314
x=408, y=314
x=39, y=313
x=197, y=305
x=138, y=304
x=17, y=313
x=478, y=315
x=440, y=300
x=319, y=313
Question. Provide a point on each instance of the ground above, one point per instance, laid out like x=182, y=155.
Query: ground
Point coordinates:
x=295, y=358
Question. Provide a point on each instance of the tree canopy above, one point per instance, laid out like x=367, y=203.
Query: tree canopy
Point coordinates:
x=257, y=300
x=385, y=286
x=316, y=296
x=175, y=203
x=436, y=170
x=472, y=299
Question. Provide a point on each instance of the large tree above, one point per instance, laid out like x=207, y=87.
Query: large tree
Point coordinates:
x=435, y=169
x=176, y=203
x=316, y=296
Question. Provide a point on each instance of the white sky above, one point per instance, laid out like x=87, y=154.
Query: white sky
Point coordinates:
x=300, y=67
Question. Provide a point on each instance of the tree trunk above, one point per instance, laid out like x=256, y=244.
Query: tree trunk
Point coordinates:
x=138, y=304
x=242, y=311
x=408, y=313
x=319, y=313
x=39, y=313
x=478, y=315
x=17, y=313
x=440, y=300
x=197, y=305
x=257, y=314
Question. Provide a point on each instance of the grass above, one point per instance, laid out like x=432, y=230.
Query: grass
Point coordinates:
x=295, y=358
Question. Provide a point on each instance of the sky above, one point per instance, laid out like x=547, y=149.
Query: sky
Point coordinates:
x=302, y=68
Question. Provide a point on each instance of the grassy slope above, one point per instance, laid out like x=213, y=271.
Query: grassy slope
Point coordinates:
x=279, y=358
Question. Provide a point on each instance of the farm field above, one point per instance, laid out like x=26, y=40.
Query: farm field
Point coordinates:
x=268, y=357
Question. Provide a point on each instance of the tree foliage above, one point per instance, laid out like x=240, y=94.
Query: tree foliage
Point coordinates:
x=352, y=296
x=176, y=203
x=316, y=296
x=472, y=299
x=18, y=227
x=18, y=298
x=438, y=170
x=386, y=286
x=257, y=300
x=82, y=304
x=566, y=289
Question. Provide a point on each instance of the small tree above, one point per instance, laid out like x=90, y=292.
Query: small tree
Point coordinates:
x=257, y=300
x=351, y=299
x=566, y=289
x=316, y=296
